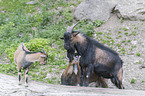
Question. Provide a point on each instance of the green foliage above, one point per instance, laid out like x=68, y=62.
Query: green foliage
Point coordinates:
x=55, y=57
x=133, y=33
x=119, y=32
x=99, y=33
x=37, y=44
x=123, y=50
x=138, y=54
x=21, y=22
x=63, y=67
x=139, y=62
x=33, y=45
x=119, y=45
x=125, y=29
x=126, y=33
x=121, y=20
x=129, y=41
x=8, y=68
x=39, y=26
x=88, y=27
x=68, y=15
x=133, y=80
x=98, y=23
x=136, y=27
x=142, y=81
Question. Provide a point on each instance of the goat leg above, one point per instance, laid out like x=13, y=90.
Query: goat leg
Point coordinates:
x=102, y=82
x=88, y=75
x=26, y=77
x=82, y=76
x=117, y=82
x=19, y=76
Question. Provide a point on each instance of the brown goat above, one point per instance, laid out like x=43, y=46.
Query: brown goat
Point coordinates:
x=24, y=58
x=71, y=75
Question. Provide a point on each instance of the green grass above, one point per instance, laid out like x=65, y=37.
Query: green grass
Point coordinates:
x=40, y=26
x=132, y=81
x=125, y=29
x=138, y=54
x=121, y=20
x=119, y=32
x=133, y=33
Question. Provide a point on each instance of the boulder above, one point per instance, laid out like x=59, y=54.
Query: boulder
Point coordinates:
x=95, y=9
x=131, y=9
x=32, y=2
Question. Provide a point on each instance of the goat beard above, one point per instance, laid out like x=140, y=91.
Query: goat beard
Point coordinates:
x=71, y=53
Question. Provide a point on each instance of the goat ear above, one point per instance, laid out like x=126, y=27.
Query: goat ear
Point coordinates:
x=75, y=33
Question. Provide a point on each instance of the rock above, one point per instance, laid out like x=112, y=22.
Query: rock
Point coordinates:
x=48, y=75
x=9, y=87
x=32, y=2
x=136, y=61
x=142, y=66
x=131, y=9
x=95, y=9
x=134, y=42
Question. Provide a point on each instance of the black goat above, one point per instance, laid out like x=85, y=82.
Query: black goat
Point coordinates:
x=71, y=75
x=95, y=57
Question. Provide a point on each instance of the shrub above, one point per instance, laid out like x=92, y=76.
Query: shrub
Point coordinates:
x=133, y=80
x=37, y=44
x=138, y=54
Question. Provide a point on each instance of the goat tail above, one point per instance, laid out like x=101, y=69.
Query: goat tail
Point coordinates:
x=23, y=47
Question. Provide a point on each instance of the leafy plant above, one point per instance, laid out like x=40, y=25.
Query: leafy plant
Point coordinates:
x=121, y=20
x=40, y=26
x=133, y=33
x=138, y=54
x=125, y=29
x=133, y=80
x=98, y=23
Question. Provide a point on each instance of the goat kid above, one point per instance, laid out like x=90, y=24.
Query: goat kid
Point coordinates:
x=24, y=58
x=96, y=57
x=71, y=75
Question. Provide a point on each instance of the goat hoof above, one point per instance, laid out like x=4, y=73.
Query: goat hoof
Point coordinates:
x=85, y=85
x=26, y=85
x=80, y=84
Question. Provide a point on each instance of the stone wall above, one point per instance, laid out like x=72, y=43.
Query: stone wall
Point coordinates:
x=101, y=9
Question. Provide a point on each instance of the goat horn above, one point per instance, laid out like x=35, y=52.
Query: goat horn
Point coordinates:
x=70, y=28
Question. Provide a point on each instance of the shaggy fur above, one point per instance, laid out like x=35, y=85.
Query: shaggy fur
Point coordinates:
x=69, y=77
x=96, y=57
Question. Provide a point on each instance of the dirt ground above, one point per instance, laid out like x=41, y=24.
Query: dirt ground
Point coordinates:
x=131, y=67
x=132, y=62
x=9, y=87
